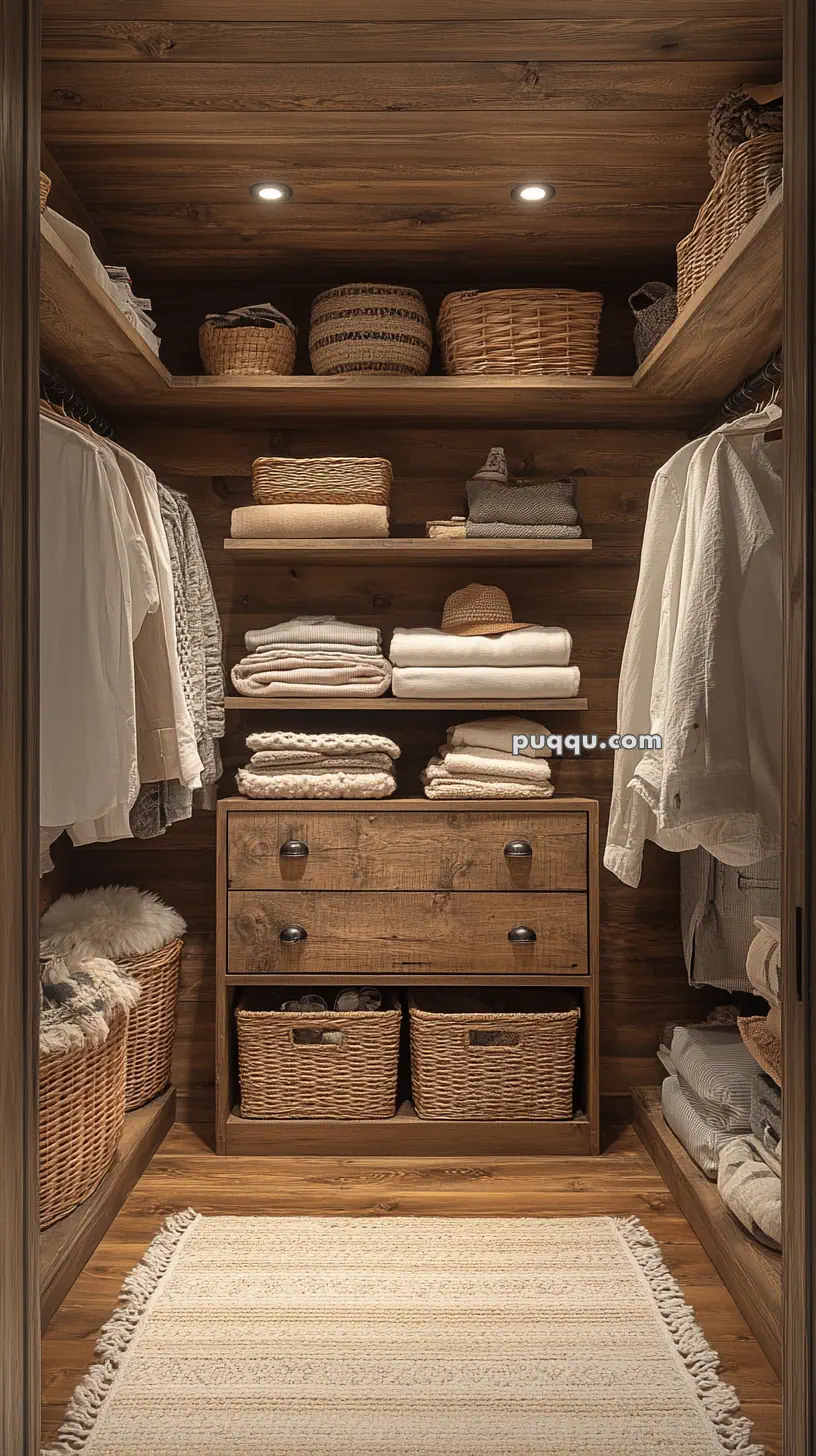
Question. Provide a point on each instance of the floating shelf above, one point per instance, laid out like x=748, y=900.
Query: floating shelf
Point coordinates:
x=751, y=1273
x=733, y=323
x=406, y=705
x=86, y=336
x=407, y=548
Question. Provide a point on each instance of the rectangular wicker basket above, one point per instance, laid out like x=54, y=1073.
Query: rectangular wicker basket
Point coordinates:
x=278, y=480
x=520, y=331
x=493, y=1065
x=749, y=176
x=285, y=1075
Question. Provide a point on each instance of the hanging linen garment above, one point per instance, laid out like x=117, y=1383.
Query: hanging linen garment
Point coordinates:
x=702, y=666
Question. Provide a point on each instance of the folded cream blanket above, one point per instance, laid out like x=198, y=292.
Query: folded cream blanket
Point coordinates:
x=268, y=767
x=751, y=1189
x=529, y=647
x=323, y=743
x=309, y=522
x=302, y=630
x=498, y=733
x=764, y=960
x=442, y=785
x=486, y=682
x=331, y=785
x=488, y=763
x=506, y=530
x=365, y=677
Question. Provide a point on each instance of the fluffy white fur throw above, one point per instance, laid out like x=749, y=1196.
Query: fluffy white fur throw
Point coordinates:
x=117, y=921
x=79, y=1000
x=324, y=743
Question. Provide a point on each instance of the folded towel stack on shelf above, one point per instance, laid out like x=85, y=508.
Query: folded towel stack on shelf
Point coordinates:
x=707, y=1096
x=478, y=762
x=763, y=1034
x=319, y=766
x=313, y=657
x=114, y=281
x=482, y=652
x=325, y=498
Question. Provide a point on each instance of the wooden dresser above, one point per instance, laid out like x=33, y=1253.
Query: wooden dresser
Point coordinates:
x=408, y=892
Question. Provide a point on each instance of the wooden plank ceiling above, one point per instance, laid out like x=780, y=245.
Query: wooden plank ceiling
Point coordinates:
x=400, y=124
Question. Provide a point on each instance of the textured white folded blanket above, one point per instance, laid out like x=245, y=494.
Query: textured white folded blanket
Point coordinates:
x=530, y=647
x=268, y=767
x=303, y=630
x=328, y=743
x=270, y=677
x=487, y=763
x=441, y=785
x=320, y=786
x=309, y=522
x=486, y=682
x=498, y=733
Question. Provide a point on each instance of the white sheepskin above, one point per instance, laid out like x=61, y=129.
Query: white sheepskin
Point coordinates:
x=83, y=1018
x=116, y=921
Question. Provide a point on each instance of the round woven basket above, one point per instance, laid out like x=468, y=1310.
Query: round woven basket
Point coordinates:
x=520, y=331
x=82, y=1113
x=655, y=308
x=247, y=350
x=370, y=328
x=152, y=1022
x=329, y=480
x=750, y=174
x=45, y=188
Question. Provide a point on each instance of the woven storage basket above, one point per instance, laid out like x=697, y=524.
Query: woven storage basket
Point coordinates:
x=368, y=328
x=457, y=1073
x=45, y=188
x=737, y=118
x=247, y=350
x=520, y=331
x=82, y=1112
x=331, y=480
x=747, y=180
x=152, y=1022
x=654, y=314
x=282, y=1077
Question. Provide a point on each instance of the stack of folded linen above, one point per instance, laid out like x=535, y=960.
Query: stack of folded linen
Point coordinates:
x=500, y=508
x=763, y=1034
x=328, y=497
x=750, y=1172
x=313, y=657
x=452, y=529
x=307, y=521
x=319, y=766
x=482, y=652
x=478, y=762
x=707, y=1097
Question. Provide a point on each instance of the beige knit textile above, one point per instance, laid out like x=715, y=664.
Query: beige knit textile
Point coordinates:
x=403, y=1337
x=308, y=523
x=440, y=784
x=322, y=743
x=333, y=784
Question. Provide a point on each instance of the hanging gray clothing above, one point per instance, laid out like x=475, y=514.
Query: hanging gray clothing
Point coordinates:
x=718, y=903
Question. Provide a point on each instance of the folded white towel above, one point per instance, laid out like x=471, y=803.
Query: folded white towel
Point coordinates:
x=439, y=784
x=303, y=631
x=529, y=647
x=498, y=733
x=486, y=682
x=488, y=764
x=309, y=523
x=366, y=677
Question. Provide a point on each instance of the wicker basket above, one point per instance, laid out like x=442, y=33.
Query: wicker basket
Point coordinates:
x=284, y=1077
x=520, y=331
x=749, y=176
x=493, y=1066
x=82, y=1112
x=152, y=1022
x=369, y=328
x=655, y=308
x=737, y=118
x=331, y=480
x=45, y=188
x=247, y=350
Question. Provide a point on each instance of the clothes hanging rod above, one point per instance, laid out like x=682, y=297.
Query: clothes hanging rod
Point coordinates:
x=745, y=396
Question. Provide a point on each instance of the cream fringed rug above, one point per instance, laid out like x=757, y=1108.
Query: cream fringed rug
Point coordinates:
x=403, y=1337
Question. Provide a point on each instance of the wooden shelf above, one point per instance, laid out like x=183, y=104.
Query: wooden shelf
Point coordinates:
x=85, y=335
x=409, y=978
x=731, y=325
x=406, y=705
x=751, y=1273
x=407, y=548
x=406, y=1135
x=66, y=1247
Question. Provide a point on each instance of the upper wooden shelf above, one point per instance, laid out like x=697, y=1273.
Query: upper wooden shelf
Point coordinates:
x=307, y=704
x=407, y=548
x=733, y=323
x=83, y=333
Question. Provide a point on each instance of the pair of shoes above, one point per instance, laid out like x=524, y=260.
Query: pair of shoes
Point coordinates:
x=368, y=998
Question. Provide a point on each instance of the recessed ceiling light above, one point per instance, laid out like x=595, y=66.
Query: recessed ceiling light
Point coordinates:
x=532, y=192
x=271, y=191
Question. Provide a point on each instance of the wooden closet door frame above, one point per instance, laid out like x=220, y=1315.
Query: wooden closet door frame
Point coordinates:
x=19, y=788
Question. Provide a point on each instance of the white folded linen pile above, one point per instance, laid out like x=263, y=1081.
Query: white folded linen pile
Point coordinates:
x=527, y=663
x=313, y=657
x=319, y=766
x=707, y=1099
x=477, y=762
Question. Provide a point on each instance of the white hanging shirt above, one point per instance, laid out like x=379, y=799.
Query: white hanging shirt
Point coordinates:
x=702, y=666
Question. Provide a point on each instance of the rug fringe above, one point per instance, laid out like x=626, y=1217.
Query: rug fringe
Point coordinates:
x=719, y=1400
x=115, y=1336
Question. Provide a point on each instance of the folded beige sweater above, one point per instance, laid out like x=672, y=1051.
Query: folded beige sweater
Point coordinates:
x=315, y=631
x=441, y=785
x=488, y=764
x=322, y=743
x=332, y=785
x=529, y=647
x=485, y=682
x=260, y=676
x=340, y=763
x=309, y=522
x=498, y=733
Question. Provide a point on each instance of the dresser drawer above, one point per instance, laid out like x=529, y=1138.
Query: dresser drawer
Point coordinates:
x=367, y=935
x=431, y=850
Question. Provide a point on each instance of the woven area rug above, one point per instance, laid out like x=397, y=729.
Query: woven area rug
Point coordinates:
x=403, y=1337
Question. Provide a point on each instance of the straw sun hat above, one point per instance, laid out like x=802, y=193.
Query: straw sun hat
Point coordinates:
x=479, y=611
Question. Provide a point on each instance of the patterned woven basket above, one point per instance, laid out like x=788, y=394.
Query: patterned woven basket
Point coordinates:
x=329, y=480
x=655, y=308
x=283, y=1076
x=45, y=188
x=494, y=1066
x=520, y=331
x=369, y=328
x=152, y=1022
x=82, y=1113
x=247, y=350
x=747, y=180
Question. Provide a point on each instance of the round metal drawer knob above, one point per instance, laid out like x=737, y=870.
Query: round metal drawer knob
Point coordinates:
x=294, y=849
x=293, y=935
x=521, y=935
x=518, y=849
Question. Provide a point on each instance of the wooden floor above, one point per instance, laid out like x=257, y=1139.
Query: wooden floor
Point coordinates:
x=185, y=1172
